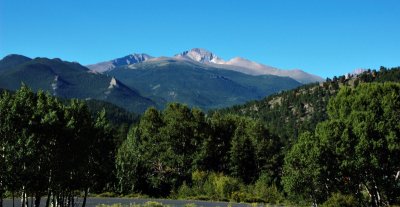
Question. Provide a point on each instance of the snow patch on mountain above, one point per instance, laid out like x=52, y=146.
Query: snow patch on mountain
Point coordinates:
x=201, y=55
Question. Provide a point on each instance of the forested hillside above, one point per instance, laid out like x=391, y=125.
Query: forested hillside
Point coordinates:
x=289, y=113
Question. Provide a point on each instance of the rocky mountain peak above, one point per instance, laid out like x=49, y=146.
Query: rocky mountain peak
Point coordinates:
x=131, y=59
x=201, y=55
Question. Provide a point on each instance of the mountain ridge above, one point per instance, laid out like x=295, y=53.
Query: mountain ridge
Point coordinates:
x=68, y=80
x=126, y=60
x=209, y=59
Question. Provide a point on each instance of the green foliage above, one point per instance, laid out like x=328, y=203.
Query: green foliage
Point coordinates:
x=115, y=115
x=185, y=191
x=128, y=165
x=217, y=186
x=242, y=154
x=339, y=200
x=289, y=113
x=224, y=186
x=293, y=112
x=160, y=151
x=356, y=149
x=267, y=191
x=214, y=186
x=177, y=145
x=303, y=169
x=48, y=147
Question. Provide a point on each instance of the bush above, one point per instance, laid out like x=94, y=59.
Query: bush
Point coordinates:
x=266, y=192
x=238, y=196
x=185, y=191
x=199, y=177
x=217, y=186
x=340, y=200
x=224, y=186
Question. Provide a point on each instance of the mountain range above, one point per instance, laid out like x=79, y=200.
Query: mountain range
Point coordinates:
x=68, y=80
x=205, y=57
x=196, y=77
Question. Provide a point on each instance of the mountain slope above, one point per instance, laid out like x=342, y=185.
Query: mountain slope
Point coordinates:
x=127, y=60
x=193, y=83
x=292, y=112
x=68, y=80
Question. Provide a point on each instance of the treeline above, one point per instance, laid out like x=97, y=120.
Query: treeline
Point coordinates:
x=53, y=150
x=182, y=152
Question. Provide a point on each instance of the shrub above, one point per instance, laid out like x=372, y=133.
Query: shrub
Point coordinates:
x=184, y=191
x=266, y=192
x=238, y=196
x=225, y=186
x=198, y=177
x=340, y=200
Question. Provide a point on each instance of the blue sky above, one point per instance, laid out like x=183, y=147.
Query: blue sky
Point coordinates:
x=324, y=37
